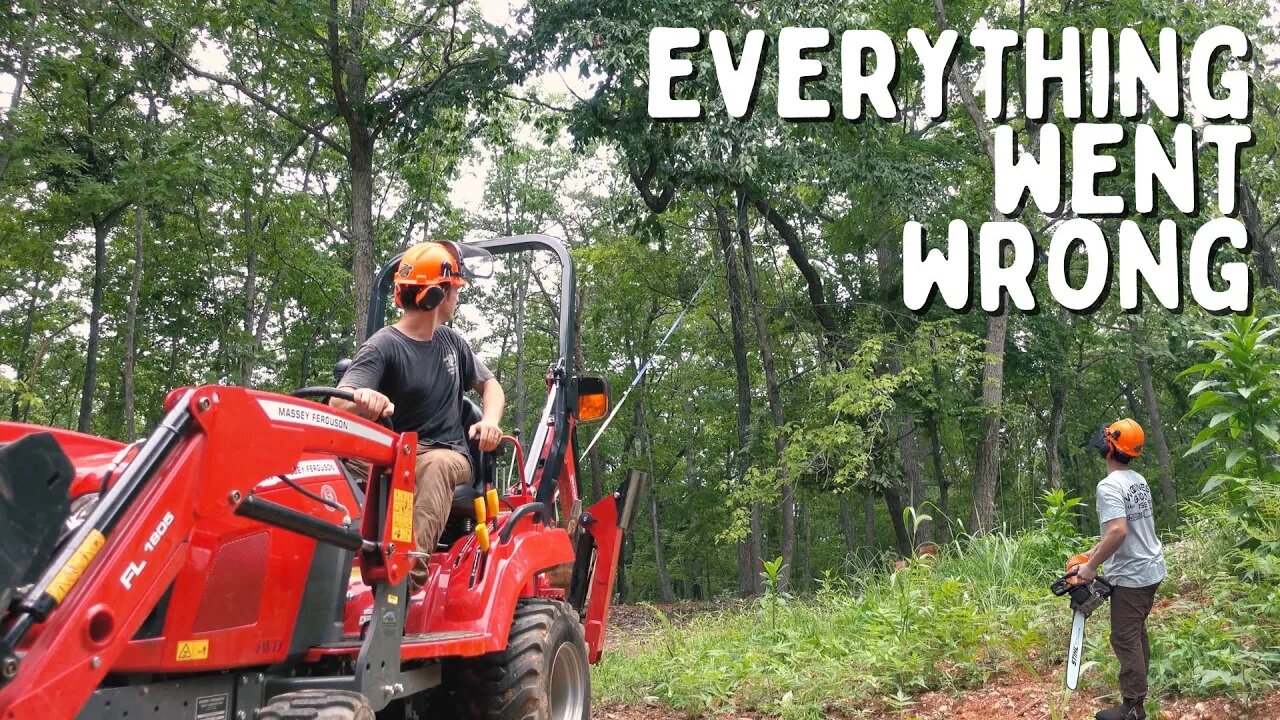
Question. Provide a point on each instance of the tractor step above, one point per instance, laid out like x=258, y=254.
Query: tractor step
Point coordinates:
x=414, y=647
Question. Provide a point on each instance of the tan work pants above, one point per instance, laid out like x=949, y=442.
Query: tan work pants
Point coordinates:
x=438, y=471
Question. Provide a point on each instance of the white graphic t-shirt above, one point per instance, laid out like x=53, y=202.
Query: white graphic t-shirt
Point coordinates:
x=1139, y=562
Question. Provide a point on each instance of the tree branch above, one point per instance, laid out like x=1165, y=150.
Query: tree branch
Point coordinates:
x=234, y=83
x=966, y=94
x=643, y=182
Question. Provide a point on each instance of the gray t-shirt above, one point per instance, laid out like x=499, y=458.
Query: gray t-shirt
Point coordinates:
x=1139, y=561
x=425, y=380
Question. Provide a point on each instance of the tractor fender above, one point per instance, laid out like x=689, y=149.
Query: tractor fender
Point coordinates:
x=509, y=569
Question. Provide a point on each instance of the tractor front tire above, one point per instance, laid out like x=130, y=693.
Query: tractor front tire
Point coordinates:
x=542, y=675
x=318, y=705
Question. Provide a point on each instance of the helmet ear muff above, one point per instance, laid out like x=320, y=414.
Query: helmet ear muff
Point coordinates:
x=431, y=298
x=418, y=297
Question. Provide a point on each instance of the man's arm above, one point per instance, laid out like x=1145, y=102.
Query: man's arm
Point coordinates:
x=1114, y=535
x=492, y=401
x=364, y=374
x=369, y=403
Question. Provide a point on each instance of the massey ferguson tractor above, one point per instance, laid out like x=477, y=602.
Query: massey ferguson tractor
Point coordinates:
x=229, y=566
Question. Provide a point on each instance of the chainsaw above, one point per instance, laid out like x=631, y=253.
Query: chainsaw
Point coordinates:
x=1086, y=597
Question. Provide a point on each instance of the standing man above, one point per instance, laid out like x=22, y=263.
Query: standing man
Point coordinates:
x=1134, y=558
x=418, y=369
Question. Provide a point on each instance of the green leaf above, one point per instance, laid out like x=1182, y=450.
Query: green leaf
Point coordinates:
x=1219, y=418
x=1203, y=385
x=1200, y=446
x=1206, y=400
x=1234, y=457
x=1270, y=433
x=1214, y=483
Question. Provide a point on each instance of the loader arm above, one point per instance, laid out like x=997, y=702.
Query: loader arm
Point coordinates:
x=214, y=445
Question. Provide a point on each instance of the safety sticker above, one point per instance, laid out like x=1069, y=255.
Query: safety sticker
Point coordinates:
x=299, y=415
x=193, y=650
x=80, y=559
x=212, y=707
x=401, y=516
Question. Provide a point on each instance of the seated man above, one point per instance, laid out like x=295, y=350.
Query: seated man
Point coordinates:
x=418, y=369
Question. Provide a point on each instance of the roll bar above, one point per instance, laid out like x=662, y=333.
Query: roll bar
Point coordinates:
x=566, y=399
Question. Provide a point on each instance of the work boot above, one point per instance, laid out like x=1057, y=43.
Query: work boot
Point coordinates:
x=417, y=576
x=1130, y=710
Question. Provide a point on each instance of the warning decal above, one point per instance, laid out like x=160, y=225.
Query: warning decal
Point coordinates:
x=212, y=707
x=193, y=650
x=80, y=559
x=402, y=516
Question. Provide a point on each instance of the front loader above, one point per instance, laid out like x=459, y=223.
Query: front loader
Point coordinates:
x=230, y=566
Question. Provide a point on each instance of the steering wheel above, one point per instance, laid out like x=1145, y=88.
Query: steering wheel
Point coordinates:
x=331, y=392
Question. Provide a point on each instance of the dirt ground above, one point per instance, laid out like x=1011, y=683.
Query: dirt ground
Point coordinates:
x=1022, y=696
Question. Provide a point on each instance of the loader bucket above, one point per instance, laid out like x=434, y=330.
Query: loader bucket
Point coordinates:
x=35, y=479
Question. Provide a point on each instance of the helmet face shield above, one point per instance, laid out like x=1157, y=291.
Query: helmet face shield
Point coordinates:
x=475, y=263
x=1098, y=441
x=1122, y=439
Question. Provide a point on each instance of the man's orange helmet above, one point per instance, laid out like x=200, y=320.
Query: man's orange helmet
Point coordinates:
x=426, y=272
x=1122, y=436
x=431, y=263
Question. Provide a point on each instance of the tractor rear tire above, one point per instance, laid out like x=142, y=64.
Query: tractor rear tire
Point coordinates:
x=542, y=675
x=318, y=705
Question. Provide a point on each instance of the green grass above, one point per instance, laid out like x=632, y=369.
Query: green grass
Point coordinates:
x=975, y=611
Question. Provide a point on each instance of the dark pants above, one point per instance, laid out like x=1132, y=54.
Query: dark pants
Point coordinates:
x=1129, y=610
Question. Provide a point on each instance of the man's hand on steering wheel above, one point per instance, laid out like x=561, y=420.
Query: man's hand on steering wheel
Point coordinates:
x=373, y=404
x=487, y=434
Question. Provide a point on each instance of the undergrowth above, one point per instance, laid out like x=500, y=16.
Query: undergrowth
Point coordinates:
x=979, y=608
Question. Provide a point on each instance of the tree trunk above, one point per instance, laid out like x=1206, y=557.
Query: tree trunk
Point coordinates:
x=988, y=465
x=130, y=328
x=788, y=495
x=908, y=447
x=250, y=292
x=659, y=556
x=361, y=167
x=944, y=484
x=935, y=436
x=1135, y=408
x=743, y=384
x=756, y=540
x=893, y=501
x=7, y=128
x=1156, y=433
x=806, y=519
x=983, y=519
x=869, y=521
x=846, y=525
x=645, y=438
x=1057, y=415
x=1263, y=252
x=100, y=231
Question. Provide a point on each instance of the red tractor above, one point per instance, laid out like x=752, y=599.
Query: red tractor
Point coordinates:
x=229, y=566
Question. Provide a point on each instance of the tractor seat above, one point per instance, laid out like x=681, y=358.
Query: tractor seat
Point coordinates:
x=483, y=470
